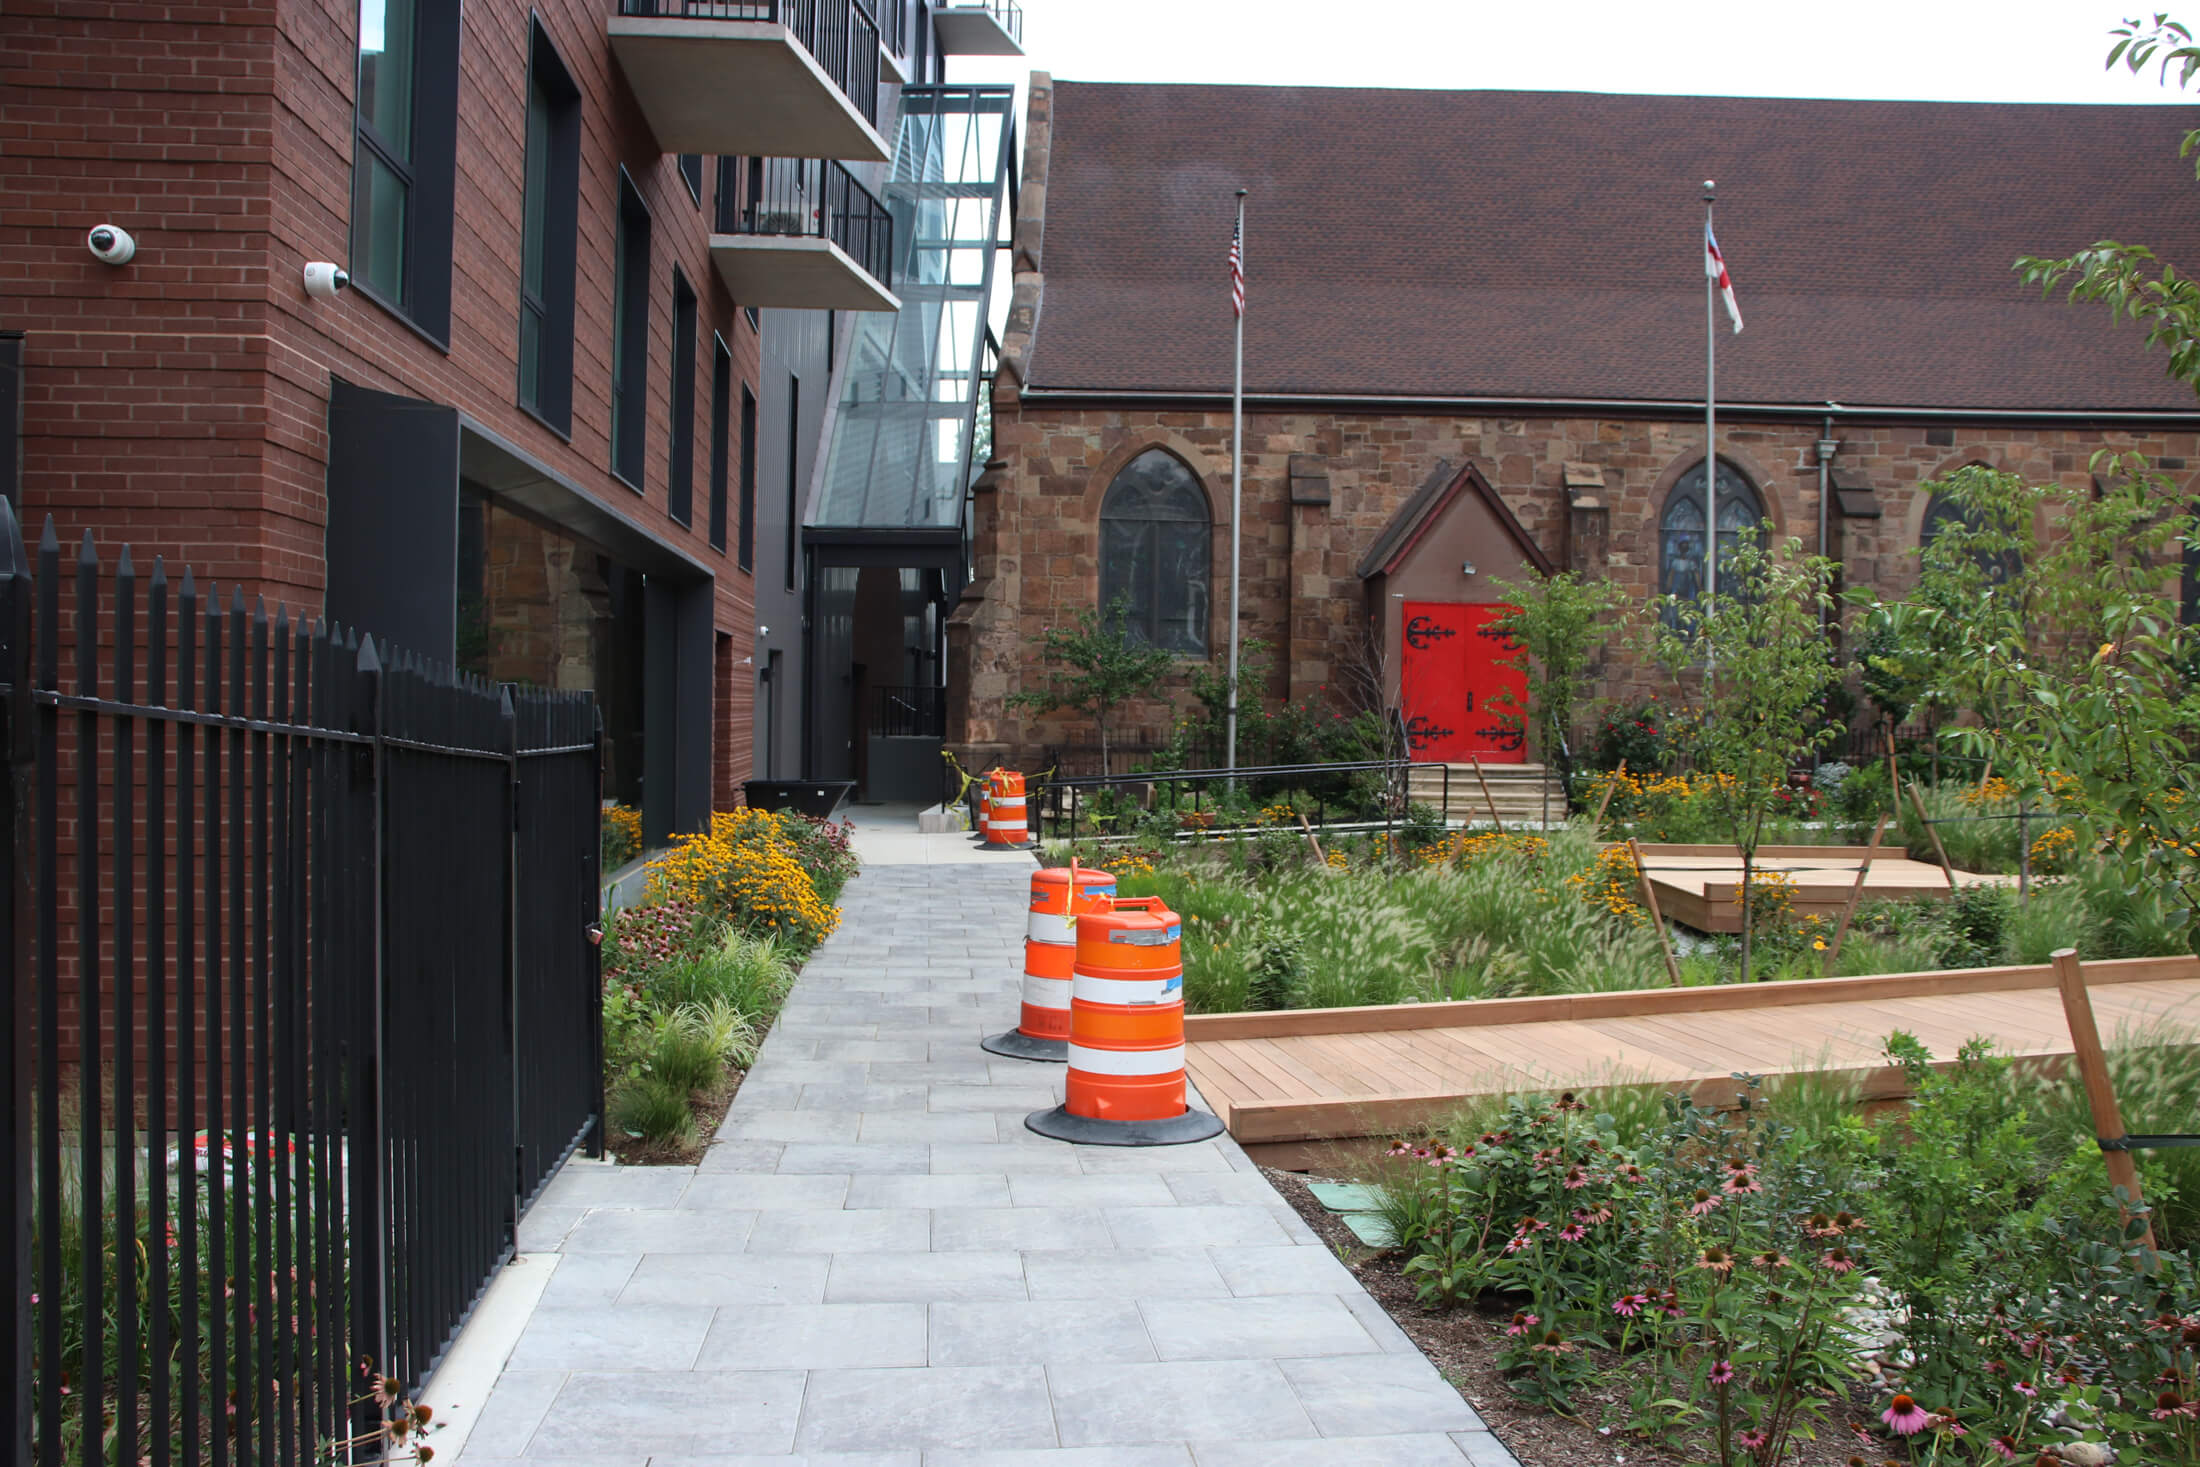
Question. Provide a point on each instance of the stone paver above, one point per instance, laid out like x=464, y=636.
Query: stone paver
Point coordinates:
x=877, y=1265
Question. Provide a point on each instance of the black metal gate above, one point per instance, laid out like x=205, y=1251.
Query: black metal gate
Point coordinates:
x=305, y=1011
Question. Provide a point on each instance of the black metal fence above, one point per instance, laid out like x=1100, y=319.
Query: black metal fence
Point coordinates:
x=1360, y=792
x=304, y=1010
x=906, y=711
x=807, y=197
x=839, y=35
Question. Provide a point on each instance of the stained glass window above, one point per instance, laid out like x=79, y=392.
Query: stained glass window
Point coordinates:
x=1154, y=552
x=1681, y=532
x=1943, y=511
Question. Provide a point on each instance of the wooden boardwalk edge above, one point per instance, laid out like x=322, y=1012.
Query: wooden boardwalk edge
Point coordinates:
x=1626, y=1003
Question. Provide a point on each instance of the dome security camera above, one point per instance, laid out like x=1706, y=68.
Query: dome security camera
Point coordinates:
x=325, y=281
x=110, y=244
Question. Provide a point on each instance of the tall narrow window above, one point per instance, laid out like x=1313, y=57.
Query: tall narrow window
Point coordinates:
x=680, y=477
x=1155, y=542
x=721, y=412
x=1997, y=566
x=403, y=150
x=630, y=337
x=548, y=237
x=745, y=555
x=794, y=482
x=1681, y=529
x=691, y=174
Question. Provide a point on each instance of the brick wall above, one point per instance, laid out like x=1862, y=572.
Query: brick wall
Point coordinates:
x=180, y=402
x=1037, y=544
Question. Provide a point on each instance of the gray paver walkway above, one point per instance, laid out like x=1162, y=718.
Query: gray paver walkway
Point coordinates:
x=876, y=1265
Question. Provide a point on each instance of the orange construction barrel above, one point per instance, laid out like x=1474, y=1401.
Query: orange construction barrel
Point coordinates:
x=1005, y=828
x=1126, y=1033
x=985, y=804
x=1059, y=894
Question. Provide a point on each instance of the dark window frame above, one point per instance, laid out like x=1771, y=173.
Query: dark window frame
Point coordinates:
x=690, y=168
x=794, y=478
x=680, y=462
x=428, y=171
x=1148, y=619
x=721, y=425
x=1941, y=510
x=745, y=557
x=553, y=308
x=1686, y=495
x=630, y=338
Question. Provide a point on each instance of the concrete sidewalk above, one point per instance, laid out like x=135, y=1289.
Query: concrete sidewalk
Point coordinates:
x=877, y=1264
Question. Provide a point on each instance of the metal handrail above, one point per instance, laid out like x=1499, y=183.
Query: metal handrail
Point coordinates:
x=839, y=35
x=813, y=198
x=1047, y=792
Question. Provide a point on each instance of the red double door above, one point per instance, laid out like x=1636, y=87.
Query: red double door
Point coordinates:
x=1454, y=665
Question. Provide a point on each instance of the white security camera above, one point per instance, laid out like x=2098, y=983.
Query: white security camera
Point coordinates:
x=325, y=281
x=111, y=243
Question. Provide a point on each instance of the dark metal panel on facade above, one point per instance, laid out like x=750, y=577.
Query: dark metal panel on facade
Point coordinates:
x=392, y=539
x=11, y=418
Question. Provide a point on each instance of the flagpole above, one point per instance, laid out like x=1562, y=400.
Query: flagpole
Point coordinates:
x=1237, y=458
x=1710, y=411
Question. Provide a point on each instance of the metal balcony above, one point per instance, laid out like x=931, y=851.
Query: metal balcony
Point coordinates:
x=770, y=78
x=980, y=28
x=802, y=233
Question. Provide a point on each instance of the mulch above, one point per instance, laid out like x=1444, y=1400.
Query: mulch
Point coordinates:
x=1463, y=1343
x=709, y=1108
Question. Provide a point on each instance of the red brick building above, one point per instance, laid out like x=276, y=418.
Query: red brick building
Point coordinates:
x=1505, y=291
x=528, y=439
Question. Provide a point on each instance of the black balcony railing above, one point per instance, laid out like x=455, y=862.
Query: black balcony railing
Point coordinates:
x=907, y=711
x=1007, y=12
x=839, y=35
x=810, y=198
x=893, y=24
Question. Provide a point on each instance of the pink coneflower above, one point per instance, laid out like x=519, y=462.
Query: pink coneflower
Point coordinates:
x=1721, y=1372
x=1670, y=1302
x=1845, y=1222
x=1521, y=1324
x=1439, y=1154
x=1632, y=1173
x=1839, y=1260
x=1573, y=1232
x=2169, y=1404
x=1627, y=1306
x=1904, y=1417
x=1770, y=1260
x=1715, y=1259
x=1548, y=1156
x=1738, y=1183
x=1751, y=1440
x=2005, y=1447
x=1399, y=1148
x=1943, y=1422
x=1702, y=1203
x=1818, y=1225
x=1576, y=1178
x=1552, y=1343
x=2026, y=1389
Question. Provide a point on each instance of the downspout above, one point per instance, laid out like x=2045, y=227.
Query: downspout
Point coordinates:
x=1828, y=445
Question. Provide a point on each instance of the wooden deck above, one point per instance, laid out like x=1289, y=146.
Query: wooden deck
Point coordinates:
x=1696, y=884
x=1286, y=1079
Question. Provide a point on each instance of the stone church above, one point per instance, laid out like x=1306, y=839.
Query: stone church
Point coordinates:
x=1475, y=351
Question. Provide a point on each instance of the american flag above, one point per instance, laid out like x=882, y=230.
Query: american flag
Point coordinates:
x=1237, y=267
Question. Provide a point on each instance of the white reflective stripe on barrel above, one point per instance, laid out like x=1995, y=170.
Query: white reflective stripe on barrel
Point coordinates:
x=1126, y=1061
x=1129, y=992
x=1052, y=927
x=1006, y=802
x=1046, y=993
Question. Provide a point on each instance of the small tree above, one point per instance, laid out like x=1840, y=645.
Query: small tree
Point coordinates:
x=1556, y=624
x=1753, y=663
x=1094, y=669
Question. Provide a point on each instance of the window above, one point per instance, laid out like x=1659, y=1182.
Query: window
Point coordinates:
x=680, y=474
x=403, y=149
x=549, y=231
x=794, y=485
x=2190, y=597
x=745, y=556
x=721, y=409
x=691, y=174
x=1681, y=529
x=1944, y=511
x=630, y=337
x=1154, y=552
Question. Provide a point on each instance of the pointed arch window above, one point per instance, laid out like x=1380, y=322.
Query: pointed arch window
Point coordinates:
x=1155, y=546
x=1944, y=510
x=1681, y=529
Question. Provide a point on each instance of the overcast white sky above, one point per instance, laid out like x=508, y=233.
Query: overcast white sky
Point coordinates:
x=1952, y=50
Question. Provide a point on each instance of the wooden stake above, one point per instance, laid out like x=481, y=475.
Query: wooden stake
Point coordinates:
x=1917, y=803
x=1606, y=799
x=1657, y=918
x=1310, y=840
x=1985, y=778
x=1487, y=797
x=1856, y=895
x=2100, y=1095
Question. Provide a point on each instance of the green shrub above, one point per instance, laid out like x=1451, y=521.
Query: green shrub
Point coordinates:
x=653, y=1109
x=683, y=1058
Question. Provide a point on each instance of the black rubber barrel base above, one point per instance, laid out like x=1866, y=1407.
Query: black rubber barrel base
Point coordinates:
x=1193, y=1125
x=1029, y=845
x=1016, y=1044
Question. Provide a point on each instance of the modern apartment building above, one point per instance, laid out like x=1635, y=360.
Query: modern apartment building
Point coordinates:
x=597, y=344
